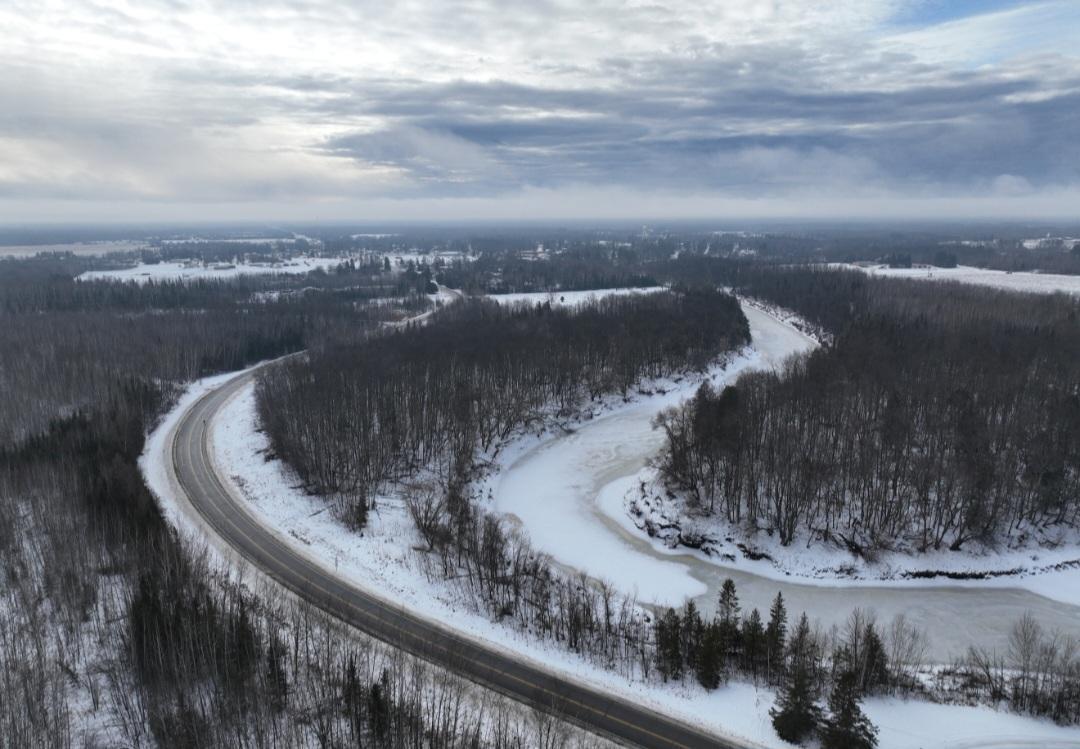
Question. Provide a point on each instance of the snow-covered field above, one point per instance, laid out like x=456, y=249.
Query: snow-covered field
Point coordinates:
x=1041, y=283
x=568, y=298
x=190, y=272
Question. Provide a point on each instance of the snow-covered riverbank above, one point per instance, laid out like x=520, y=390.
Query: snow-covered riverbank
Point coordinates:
x=568, y=493
x=382, y=561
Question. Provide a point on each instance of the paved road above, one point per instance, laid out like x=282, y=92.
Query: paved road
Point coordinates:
x=591, y=709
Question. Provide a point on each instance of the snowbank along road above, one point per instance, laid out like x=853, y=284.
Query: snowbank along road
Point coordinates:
x=235, y=527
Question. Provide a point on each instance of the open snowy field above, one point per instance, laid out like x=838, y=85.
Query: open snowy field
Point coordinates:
x=1040, y=283
x=569, y=298
x=182, y=271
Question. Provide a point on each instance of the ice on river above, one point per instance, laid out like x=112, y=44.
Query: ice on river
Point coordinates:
x=566, y=493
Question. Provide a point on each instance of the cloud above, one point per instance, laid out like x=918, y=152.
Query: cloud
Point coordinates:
x=312, y=103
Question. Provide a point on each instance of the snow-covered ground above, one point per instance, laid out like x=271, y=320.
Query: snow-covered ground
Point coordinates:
x=565, y=490
x=569, y=298
x=589, y=474
x=546, y=485
x=382, y=561
x=1042, y=283
x=401, y=259
x=184, y=271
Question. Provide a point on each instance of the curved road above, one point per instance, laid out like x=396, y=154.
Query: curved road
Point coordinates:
x=588, y=708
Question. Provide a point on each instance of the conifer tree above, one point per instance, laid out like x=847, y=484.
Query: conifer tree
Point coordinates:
x=846, y=727
x=729, y=602
x=669, y=658
x=875, y=667
x=796, y=715
x=753, y=642
x=775, y=638
x=728, y=619
x=691, y=634
x=710, y=658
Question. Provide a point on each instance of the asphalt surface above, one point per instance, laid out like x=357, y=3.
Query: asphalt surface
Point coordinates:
x=588, y=708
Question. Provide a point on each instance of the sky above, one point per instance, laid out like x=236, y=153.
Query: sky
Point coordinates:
x=434, y=110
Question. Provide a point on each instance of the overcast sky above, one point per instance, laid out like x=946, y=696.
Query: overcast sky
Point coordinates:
x=447, y=109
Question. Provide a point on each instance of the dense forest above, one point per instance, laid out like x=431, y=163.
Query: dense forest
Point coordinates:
x=134, y=635
x=351, y=418
x=938, y=416
x=69, y=344
x=339, y=398
x=130, y=636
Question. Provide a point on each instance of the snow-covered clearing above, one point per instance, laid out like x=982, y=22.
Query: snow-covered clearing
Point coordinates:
x=1041, y=283
x=400, y=260
x=569, y=298
x=175, y=271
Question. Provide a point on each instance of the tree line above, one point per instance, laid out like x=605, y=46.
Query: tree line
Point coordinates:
x=69, y=344
x=940, y=415
x=351, y=418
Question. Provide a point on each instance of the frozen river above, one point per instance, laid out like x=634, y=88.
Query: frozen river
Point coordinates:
x=559, y=489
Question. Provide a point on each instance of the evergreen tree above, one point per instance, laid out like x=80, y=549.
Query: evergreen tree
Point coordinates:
x=776, y=637
x=669, y=658
x=710, y=658
x=847, y=727
x=277, y=682
x=795, y=715
x=690, y=636
x=728, y=619
x=801, y=646
x=729, y=603
x=753, y=642
x=875, y=665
